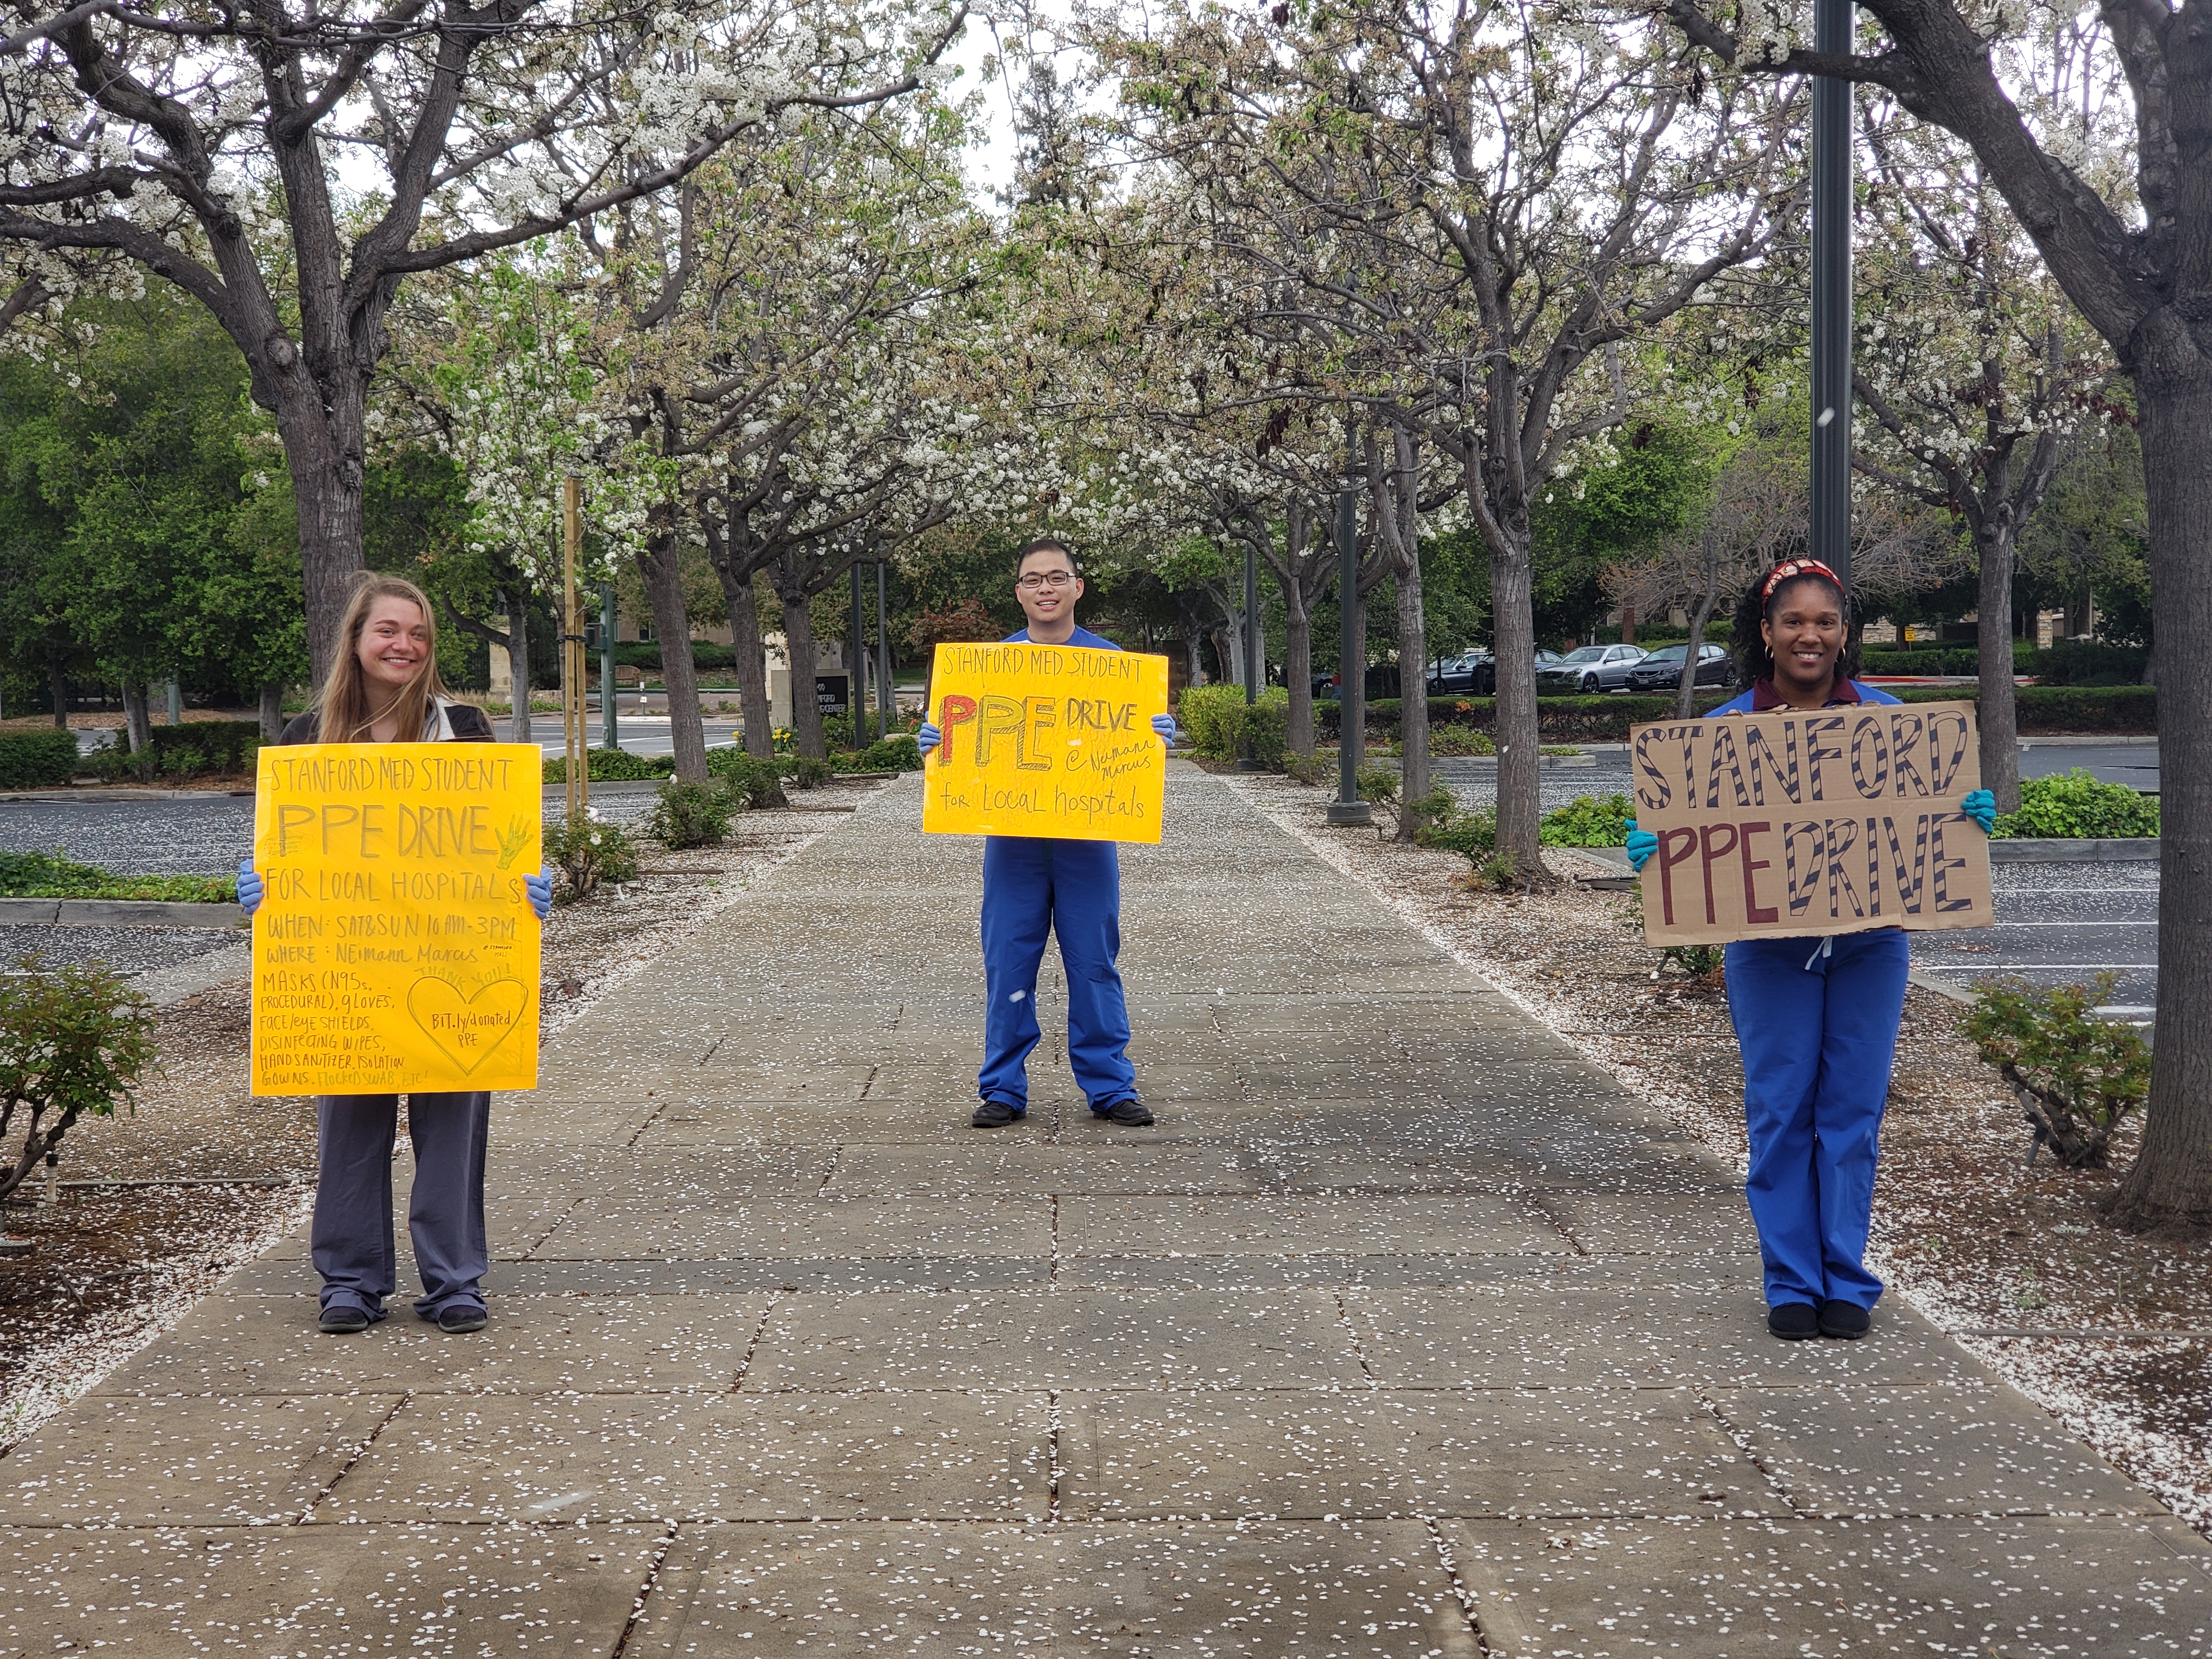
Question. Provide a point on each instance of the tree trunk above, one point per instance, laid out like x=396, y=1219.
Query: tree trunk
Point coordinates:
x=517, y=664
x=58, y=684
x=1513, y=637
x=1413, y=692
x=752, y=666
x=1193, y=643
x=272, y=710
x=1298, y=669
x=137, y=729
x=660, y=565
x=1685, y=688
x=799, y=646
x=1997, y=715
x=2171, y=1184
x=326, y=472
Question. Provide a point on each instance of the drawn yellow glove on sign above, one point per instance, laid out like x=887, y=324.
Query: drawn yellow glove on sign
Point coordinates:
x=396, y=950
x=1048, y=740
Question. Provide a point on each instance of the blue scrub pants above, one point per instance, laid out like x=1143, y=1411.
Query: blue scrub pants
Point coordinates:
x=1033, y=888
x=1819, y=1035
x=352, y=1241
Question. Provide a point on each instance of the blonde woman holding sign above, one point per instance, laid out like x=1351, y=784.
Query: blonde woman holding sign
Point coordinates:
x=384, y=688
x=1816, y=1020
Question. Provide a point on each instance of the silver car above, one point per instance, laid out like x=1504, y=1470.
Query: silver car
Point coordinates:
x=1588, y=669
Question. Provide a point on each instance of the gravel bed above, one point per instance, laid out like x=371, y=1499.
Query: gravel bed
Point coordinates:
x=2014, y=1259
x=126, y=950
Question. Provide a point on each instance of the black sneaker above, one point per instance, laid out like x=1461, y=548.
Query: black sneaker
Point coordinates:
x=996, y=1114
x=1131, y=1114
x=1793, y=1321
x=1846, y=1320
x=342, y=1321
x=460, y=1318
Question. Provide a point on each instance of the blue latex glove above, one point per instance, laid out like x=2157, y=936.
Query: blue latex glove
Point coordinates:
x=251, y=891
x=1165, y=726
x=1981, y=806
x=927, y=739
x=1642, y=844
x=539, y=888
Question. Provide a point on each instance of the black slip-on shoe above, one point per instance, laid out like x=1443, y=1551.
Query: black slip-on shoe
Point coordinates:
x=1846, y=1320
x=1793, y=1321
x=996, y=1114
x=1131, y=1113
x=460, y=1319
x=342, y=1321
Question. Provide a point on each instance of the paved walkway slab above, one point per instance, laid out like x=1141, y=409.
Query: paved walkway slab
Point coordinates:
x=1404, y=1332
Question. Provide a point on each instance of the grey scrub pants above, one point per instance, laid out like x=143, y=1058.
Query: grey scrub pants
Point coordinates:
x=353, y=1246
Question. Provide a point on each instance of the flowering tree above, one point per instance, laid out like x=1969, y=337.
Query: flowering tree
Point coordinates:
x=1482, y=203
x=205, y=144
x=2132, y=248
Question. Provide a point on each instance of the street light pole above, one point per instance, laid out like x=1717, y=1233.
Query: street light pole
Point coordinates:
x=1352, y=675
x=856, y=696
x=1830, y=540
x=610, y=727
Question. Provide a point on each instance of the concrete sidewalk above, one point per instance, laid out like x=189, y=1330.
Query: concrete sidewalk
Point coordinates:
x=1404, y=1333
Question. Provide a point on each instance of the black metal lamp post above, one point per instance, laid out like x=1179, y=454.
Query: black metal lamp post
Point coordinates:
x=1830, y=540
x=856, y=694
x=886, y=695
x=1247, y=762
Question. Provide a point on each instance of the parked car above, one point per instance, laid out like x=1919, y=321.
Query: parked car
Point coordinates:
x=1588, y=669
x=1474, y=673
x=1662, y=670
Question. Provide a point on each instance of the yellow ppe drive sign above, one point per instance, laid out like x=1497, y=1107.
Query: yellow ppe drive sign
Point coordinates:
x=396, y=950
x=1048, y=740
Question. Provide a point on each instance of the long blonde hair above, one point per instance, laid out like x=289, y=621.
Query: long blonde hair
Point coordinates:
x=344, y=713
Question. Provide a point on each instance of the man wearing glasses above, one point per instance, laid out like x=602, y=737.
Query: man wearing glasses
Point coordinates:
x=1035, y=887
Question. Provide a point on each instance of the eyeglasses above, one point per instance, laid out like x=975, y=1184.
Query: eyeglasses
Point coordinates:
x=1045, y=579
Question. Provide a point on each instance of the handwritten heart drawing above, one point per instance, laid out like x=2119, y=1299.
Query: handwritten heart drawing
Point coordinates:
x=467, y=1028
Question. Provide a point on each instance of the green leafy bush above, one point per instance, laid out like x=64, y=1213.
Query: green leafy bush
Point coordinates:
x=1320, y=767
x=1579, y=720
x=2087, y=662
x=37, y=760
x=2077, y=1077
x=2073, y=805
x=748, y=778
x=1588, y=821
x=805, y=770
x=692, y=814
x=49, y=875
x=897, y=753
x=72, y=1041
x=1471, y=834
x=2049, y=708
x=614, y=766
x=589, y=852
x=1455, y=740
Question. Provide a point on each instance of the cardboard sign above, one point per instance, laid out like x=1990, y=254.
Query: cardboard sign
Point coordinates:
x=1048, y=740
x=396, y=950
x=1810, y=821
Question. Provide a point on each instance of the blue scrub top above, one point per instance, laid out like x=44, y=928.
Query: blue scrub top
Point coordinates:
x=1867, y=694
x=1082, y=637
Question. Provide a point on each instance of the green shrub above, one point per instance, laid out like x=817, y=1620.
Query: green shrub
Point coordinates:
x=2077, y=1077
x=589, y=852
x=49, y=875
x=1448, y=742
x=692, y=814
x=748, y=778
x=1379, y=784
x=37, y=760
x=614, y=766
x=805, y=770
x=1204, y=714
x=72, y=1041
x=2087, y=662
x=1471, y=835
x=1588, y=821
x=897, y=753
x=2048, y=709
x=1581, y=720
x=2073, y=805
x=225, y=747
x=1320, y=767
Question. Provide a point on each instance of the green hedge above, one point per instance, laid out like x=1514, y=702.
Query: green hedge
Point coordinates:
x=2070, y=662
x=614, y=766
x=1558, y=720
x=2132, y=709
x=642, y=654
x=37, y=760
x=2075, y=804
x=1220, y=722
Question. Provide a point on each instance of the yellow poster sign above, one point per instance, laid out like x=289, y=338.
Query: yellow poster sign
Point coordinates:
x=396, y=950
x=1048, y=740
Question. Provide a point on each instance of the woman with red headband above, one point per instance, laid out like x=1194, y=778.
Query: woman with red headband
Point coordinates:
x=1816, y=1018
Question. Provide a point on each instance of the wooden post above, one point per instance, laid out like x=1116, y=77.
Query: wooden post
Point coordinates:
x=576, y=734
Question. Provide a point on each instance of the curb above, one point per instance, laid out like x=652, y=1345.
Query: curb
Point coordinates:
x=120, y=913
x=2136, y=849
